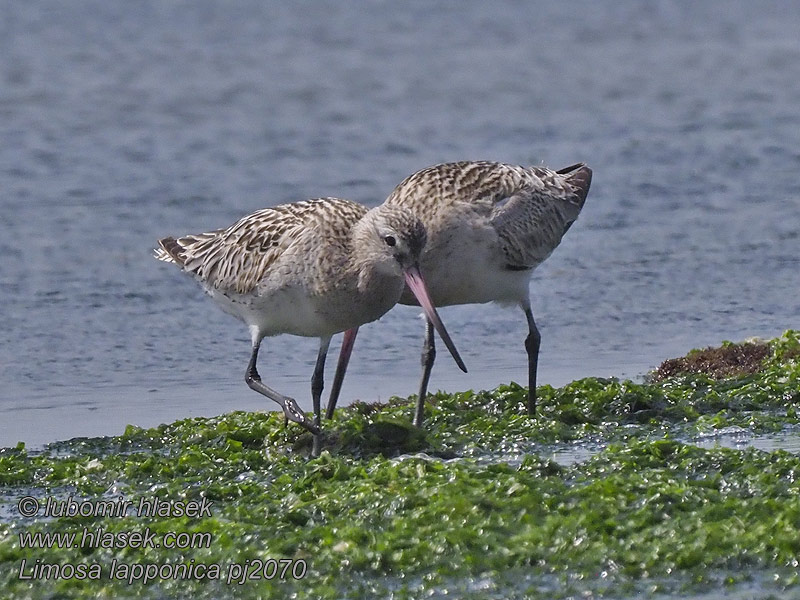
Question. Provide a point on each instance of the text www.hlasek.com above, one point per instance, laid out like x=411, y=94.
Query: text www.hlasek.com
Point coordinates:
x=141, y=538
x=100, y=538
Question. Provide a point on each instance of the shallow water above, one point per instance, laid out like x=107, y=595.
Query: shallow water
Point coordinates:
x=729, y=437
x=738, y=438
x=125, y=122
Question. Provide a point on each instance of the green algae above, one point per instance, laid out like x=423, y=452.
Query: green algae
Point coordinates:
x=470, y=506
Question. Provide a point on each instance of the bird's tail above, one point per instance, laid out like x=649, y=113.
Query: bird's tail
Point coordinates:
x=170, y=251
x=579, y=176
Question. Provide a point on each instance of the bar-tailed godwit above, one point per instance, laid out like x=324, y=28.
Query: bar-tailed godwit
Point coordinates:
x=311, y=268
x=489, y=226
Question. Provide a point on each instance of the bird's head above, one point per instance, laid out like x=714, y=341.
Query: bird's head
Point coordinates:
x=390, y=239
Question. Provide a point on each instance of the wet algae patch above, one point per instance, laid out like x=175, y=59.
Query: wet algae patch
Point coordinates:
x=471, y=507
x=728, y=360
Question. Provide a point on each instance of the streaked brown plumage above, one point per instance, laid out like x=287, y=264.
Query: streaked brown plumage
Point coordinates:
x=489, y=225
x=311, y=268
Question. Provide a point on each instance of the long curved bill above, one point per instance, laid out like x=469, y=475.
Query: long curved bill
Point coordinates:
x=416, y=284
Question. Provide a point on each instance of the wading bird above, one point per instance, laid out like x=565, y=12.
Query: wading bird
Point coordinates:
x=489, y=226
x=311, y=268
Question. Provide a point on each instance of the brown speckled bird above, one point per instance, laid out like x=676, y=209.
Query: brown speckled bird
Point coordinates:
x=311, y=268
x=489, y=226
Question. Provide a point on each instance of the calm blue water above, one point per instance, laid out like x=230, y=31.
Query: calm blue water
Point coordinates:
x=123, y=122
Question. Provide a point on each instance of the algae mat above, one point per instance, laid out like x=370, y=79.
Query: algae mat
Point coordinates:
x=471, y=507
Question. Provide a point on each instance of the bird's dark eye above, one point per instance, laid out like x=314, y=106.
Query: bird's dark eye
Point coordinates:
x=390, y=241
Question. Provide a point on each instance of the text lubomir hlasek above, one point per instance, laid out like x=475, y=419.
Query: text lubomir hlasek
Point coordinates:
x=146, y=507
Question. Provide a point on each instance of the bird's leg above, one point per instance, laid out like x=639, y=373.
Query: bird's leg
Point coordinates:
x=317, y=383
x=341, y=369
x=290, y=408
x=428, y=356
x=532, y=343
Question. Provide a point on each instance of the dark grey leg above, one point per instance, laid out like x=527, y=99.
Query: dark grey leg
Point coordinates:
x=532, y=343
x=428, y=356
x=290, y=408
x=317, y=383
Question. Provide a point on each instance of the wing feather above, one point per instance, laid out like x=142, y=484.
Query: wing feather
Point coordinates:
x=530, y=208
x=237, y=258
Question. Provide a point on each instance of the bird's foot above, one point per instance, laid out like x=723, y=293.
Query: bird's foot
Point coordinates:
x=292, y=412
